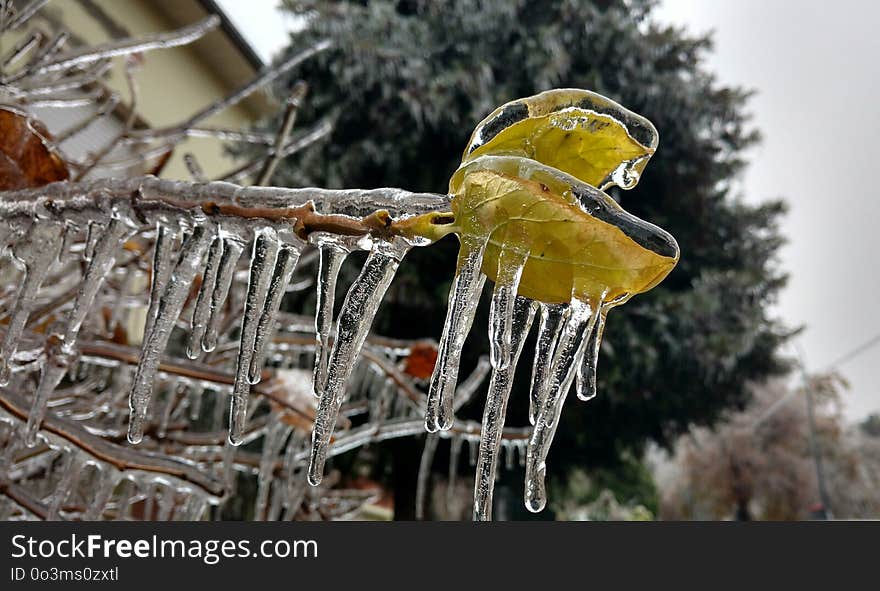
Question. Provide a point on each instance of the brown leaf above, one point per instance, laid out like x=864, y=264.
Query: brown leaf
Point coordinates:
x=27, y=157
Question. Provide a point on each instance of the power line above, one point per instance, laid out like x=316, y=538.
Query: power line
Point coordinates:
x=867, y=345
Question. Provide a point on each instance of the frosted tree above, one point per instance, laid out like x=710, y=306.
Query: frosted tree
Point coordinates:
x=146, y=365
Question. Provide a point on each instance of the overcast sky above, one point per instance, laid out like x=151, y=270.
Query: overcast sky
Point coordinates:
x=814, y=67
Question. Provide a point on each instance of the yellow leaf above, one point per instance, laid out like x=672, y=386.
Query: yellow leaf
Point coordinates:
x=579, y=132
x=580, y=242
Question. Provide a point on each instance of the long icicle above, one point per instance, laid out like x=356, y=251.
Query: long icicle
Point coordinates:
x=60, y=347
x=521, y=314
x=463, y=299
x=163, y=263
x=567, y=355
x=156, y=338
x=232, y=249
x=202, y=308
x=37, y=252
x=431, y=440
x=265, y=253
x=355, y=319
x=586, y=377
x=331, y=255
x=285, y=263
x=553, y=319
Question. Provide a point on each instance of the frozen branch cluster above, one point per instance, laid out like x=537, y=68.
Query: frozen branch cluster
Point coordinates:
x=146, y=363
x=144, y=311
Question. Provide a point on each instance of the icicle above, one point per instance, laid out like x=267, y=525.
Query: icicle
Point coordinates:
x=586, y=377
x=169, y=305
x=51, y=372
x=71, y=471
x=166, y=504
x=509, y=455
x=103, y=489
x=229, y=468
x=567, y=354
x=195, y=402
x=272, y=442
x=91, y=239
x=126, y=490
x=193, y=508
x=67, y=236
x=37, y=253
x=220, y=405
x=331, y=256
x=202, y=308
x=553, y=319
x=168, y=408
x=430, y=448
x=473, y=450
x=463, y=298
x=284, y=266
x=454, y=455
x=510, y=268
x=59, y=348
x=163, y=252
x=265, y=252
x=355, y=319
x=232, y=249
x=521, y=315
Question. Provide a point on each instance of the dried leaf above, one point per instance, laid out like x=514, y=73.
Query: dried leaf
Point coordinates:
x=27, y=158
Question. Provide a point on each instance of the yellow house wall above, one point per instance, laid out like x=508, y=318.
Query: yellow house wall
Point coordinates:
x=172, y=83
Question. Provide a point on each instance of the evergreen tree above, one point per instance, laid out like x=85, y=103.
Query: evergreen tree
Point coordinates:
x=407, y=81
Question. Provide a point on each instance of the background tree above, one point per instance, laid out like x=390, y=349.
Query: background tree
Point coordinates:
x=409, y=79
x=757, y=463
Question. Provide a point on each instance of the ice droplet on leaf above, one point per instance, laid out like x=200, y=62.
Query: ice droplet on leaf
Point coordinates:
x=586, y=377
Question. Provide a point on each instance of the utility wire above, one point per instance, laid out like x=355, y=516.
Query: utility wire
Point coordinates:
x=867, y=345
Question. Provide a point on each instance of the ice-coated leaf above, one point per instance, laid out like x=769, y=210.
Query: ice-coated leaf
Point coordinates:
x=581, y=243
x=576, y=131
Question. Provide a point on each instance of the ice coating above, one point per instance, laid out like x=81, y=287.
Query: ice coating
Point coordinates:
x=527, y=220
x=263, y=259
x=431, y=440
x=510, y=268
x=521, y=314
x=567, y=356
x=586, y=377
x=36, y=252
x=285, y=263
x=202, y=309
x=576, y=131
x=463, y=299
x=553, y=319
x=170, y=301
x=358, y=310
x=60, y=347
x=232, y=249
x=332, y=254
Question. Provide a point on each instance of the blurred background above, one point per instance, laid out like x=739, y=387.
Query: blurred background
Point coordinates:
x=745, y=386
